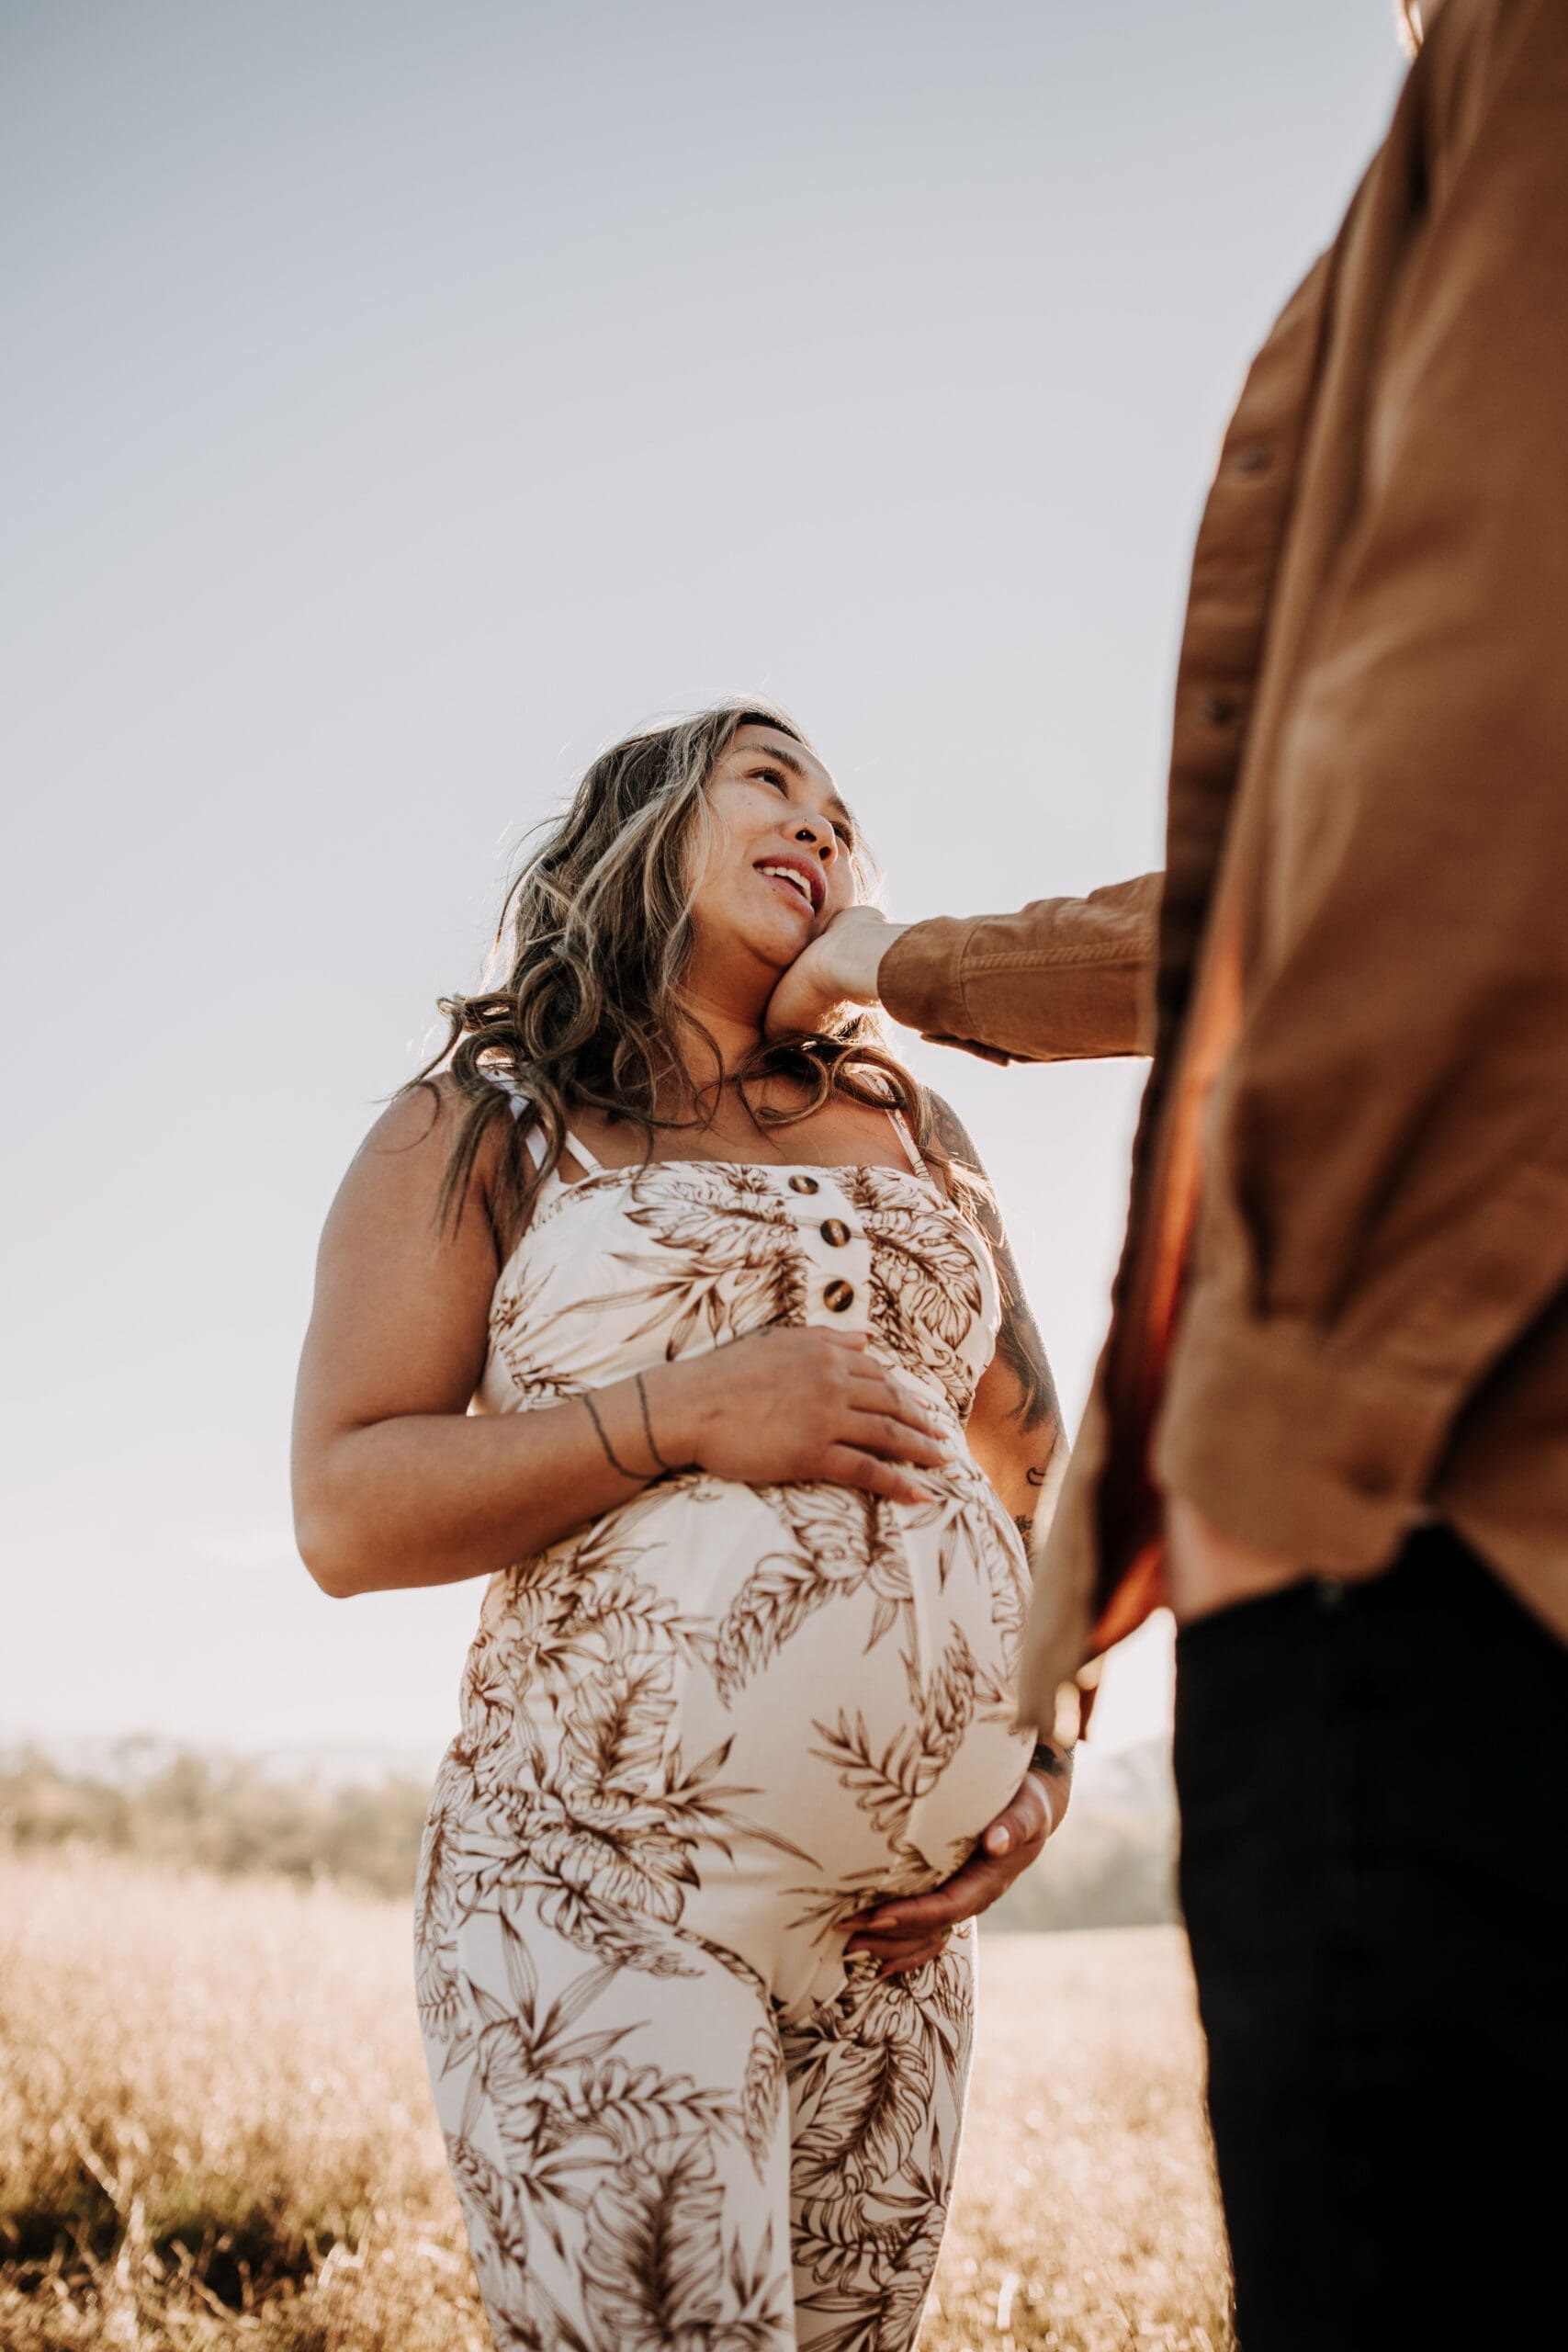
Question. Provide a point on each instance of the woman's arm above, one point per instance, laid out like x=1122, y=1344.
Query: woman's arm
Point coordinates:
x=397, y=1484
x=1015, y=1424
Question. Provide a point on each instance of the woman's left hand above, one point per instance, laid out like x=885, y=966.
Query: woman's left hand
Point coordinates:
x=909, y=1929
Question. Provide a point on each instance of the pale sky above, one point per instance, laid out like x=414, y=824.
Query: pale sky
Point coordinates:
x=400, y=403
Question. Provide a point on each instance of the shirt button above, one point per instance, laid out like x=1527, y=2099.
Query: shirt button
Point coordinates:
x=838, y=1296
x=804, y=1184
x=1219, y=709
x=1253, y=458
x=834, y=1232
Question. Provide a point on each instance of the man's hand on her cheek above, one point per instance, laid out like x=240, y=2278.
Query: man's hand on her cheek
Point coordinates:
x=839, y=967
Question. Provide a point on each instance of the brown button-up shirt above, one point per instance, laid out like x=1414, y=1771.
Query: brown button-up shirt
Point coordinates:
x=1344, y=1296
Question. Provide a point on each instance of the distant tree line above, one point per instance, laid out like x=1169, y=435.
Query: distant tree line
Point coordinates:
x=221, y=1813
x=1110, y=1865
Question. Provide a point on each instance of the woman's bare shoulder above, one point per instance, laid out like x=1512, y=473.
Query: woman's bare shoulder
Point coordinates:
x=420, y=1118
x=409, y=1147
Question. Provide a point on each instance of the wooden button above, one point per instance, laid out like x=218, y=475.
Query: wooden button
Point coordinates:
x=838, y=1296
x=804, y=1184
x=834, y=1232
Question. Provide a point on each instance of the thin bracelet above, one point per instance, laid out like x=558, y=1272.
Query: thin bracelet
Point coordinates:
x=636, y=1476
x=648, y=1426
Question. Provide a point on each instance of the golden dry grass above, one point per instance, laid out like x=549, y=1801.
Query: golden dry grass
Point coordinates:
x=216, y=2131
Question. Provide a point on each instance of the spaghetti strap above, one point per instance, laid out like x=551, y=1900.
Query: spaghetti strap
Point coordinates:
x=534, y=1142
x=503, y=1081
x=912, y=1151
x=518, y=1104
x=582, y=1153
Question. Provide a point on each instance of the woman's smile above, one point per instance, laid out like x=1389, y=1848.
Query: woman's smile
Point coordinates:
x=797, y=878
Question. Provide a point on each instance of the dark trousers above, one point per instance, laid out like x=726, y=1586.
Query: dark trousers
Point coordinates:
x=1374, y=1870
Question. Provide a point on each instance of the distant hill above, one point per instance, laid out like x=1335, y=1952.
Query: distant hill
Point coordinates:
x=354, y=1815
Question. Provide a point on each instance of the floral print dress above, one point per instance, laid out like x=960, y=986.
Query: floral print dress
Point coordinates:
x=697, y=1737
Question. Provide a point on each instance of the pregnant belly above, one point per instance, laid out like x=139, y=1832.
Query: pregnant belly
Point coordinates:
x=878, y=1732
x=735, y=1717
x=827, y=1680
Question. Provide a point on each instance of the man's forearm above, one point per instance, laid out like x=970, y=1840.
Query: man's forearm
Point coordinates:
x=1064, y=979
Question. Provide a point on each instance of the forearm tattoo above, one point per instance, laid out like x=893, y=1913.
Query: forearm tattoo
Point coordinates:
x=1018, y=1343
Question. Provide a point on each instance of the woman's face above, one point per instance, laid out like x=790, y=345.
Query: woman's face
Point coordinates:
x=779, y=865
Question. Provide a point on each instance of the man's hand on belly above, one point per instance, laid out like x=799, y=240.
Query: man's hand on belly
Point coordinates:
x=908, y=1932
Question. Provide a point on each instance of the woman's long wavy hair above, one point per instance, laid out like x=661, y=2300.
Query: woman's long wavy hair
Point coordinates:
x=584, y=1005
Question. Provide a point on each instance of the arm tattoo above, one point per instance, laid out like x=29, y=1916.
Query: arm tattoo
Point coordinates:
x=1019, y=1342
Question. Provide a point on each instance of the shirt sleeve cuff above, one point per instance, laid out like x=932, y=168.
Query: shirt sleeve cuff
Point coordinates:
x=920, y=983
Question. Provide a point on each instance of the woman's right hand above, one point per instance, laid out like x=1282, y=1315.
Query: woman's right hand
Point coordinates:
x=785, y=1407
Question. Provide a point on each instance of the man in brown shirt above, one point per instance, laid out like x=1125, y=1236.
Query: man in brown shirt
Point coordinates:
x=1330, y=1424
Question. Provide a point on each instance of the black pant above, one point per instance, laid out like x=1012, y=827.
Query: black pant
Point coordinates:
x=1374, y=1868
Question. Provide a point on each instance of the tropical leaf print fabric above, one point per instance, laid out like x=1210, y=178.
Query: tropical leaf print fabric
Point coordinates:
x=698, y=1737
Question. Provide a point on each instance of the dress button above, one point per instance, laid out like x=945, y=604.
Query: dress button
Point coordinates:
x=1219, y=709
x=804, y=1184
x=838, y=1296
x=834, y=1232
x=1253, y=458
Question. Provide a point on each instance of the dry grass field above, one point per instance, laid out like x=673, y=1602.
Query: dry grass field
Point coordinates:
x=215, y=2131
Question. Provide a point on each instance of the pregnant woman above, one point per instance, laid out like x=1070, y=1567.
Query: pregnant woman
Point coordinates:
x=708, y=1354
